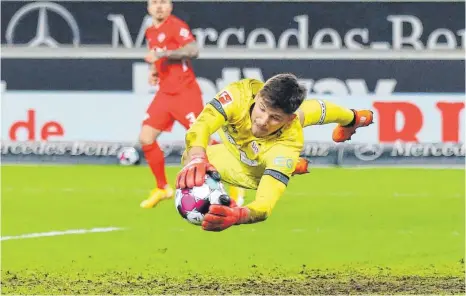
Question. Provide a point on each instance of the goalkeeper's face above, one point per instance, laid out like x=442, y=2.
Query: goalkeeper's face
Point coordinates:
x=267, y=120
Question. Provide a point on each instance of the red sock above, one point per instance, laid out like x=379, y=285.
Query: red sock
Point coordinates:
x=156, y=160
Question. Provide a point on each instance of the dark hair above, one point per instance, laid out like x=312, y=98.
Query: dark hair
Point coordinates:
x=283, y=92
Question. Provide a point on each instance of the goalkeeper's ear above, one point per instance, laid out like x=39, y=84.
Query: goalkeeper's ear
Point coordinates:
x=292, y=117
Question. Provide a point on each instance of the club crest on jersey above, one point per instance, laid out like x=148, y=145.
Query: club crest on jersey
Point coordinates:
x=161, y=37
x=255, y=147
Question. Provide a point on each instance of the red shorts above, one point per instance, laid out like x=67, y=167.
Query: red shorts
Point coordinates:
x=183, y=107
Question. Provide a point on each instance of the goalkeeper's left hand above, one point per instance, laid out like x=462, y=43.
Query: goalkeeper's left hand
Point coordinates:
x=222, y=217
x=301, y=167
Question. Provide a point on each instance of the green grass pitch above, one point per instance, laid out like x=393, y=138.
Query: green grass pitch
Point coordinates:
x=335, y=231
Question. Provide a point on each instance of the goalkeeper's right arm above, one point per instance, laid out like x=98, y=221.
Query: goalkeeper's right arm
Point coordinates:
x=196, y=164
x=198, y=135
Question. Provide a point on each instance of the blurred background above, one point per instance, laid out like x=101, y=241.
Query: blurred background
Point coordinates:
x=73, y=78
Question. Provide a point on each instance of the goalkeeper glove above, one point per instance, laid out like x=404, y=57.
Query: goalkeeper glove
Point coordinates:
x=193, y=174
x=362, y=118
x=301, y=167
x=222, y=217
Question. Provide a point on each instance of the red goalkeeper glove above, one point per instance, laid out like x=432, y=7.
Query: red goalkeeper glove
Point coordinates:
x=193, y=174
x=301, y=167
x=222, y=217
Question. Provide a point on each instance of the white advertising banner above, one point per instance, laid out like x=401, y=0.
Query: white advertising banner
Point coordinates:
x=117, y=116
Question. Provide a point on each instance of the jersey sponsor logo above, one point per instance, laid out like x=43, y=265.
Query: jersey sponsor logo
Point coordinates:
x=225, y=98
x=281, y=161
x=242, y=155
x=229, y=137
x=255, y=147
x=244, y=158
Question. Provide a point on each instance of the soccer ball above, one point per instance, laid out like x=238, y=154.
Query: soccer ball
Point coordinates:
x=128, y=156
x=193, y=203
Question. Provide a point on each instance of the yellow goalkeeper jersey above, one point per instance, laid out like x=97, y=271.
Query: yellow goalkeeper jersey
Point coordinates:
x=265, y=164
x=274, y=155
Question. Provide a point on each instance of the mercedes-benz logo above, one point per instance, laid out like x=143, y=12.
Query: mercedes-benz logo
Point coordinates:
x=368, y=152
x=42, y=29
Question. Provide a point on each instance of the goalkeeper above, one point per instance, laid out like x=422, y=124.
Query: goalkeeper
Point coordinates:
x=261, y=127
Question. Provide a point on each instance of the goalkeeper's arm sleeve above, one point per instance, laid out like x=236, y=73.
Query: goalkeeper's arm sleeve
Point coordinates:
x=269, y=191
x=312, y=112
x=207, y=123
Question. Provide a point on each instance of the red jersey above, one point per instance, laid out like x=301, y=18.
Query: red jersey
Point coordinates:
x=174, y=75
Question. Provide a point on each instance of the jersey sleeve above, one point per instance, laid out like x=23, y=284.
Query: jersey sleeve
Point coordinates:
x=207, y=123
x=314, y=112
x=268, y=193
x=280, y=163
x=228, y=103
x=183, y=34
x=223, y=108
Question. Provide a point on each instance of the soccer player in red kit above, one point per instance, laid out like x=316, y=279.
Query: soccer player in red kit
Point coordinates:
x=171, y=48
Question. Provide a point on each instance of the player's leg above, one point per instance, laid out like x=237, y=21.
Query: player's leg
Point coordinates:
x=158, y=120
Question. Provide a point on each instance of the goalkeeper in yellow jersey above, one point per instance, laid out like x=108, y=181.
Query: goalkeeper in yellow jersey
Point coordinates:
x=261, y=127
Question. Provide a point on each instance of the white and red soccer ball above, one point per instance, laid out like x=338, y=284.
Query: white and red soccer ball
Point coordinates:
x=128, y=156
x=193, y=203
